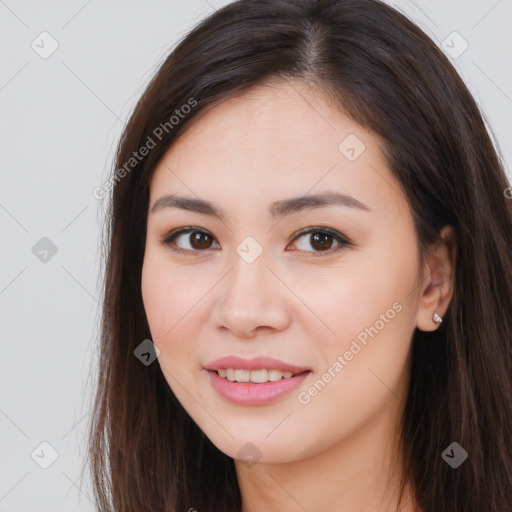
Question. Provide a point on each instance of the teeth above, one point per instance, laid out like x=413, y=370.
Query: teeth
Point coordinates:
x=257, y=376
x=242, y=376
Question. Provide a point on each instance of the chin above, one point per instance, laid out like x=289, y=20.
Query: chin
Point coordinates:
x=256, y=449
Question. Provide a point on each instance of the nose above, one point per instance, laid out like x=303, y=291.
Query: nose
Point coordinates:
x=252, y=300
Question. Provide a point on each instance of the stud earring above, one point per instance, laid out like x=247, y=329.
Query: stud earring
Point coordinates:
x=437, y=319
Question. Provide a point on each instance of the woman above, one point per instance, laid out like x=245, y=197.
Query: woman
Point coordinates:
x=308, y=276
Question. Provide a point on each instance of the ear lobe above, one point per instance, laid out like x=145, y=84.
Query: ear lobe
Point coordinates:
x=437, y=289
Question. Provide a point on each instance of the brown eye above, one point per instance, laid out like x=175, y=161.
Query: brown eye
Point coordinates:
x=321, y=240
x=199, y=240
x=189, y=240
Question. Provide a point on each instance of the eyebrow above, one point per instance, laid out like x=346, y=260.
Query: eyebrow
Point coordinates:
x=277, y=209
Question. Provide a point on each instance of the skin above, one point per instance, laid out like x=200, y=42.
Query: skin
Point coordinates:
x=299, y=302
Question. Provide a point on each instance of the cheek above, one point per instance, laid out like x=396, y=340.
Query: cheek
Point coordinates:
x=368, y=312
x=172, y=302
x=364, y=359
x=165, y=303
x=346, y=302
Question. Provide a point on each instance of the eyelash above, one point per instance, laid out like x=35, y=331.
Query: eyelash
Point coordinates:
x=342, y=240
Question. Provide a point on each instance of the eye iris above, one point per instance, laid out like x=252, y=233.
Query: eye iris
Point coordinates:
x=321, y=238
x=199, y=237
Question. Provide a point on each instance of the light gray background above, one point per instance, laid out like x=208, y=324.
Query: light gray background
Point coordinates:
x=60, y=120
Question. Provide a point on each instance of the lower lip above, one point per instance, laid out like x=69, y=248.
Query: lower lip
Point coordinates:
x=250, y=393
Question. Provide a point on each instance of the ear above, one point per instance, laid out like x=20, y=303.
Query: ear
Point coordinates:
x=438, y=280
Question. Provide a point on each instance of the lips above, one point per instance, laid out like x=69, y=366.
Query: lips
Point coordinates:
x=257, y=363
x=252, y=394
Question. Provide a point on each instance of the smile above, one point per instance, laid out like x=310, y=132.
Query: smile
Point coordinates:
x=257, y=376
x=256, y=387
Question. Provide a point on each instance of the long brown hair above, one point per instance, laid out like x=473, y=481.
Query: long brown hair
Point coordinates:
x=146, y=454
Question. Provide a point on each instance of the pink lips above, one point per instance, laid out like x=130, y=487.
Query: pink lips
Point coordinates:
x=258, y=363
x=250, y=393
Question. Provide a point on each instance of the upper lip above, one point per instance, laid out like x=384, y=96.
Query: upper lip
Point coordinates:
x=258, y=363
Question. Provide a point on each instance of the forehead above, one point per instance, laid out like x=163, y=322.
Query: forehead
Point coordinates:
x=280, y=122
x=275, y=140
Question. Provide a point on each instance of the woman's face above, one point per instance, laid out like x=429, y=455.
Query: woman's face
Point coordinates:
x=341, y=300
